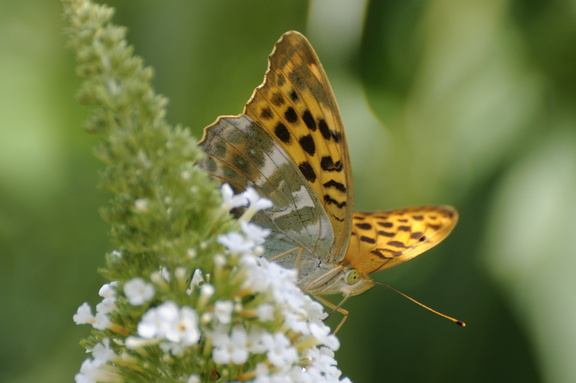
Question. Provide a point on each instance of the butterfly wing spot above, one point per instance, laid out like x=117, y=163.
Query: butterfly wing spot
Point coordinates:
x=328, y=164
x=282, y=133
x=367, y=239
x=293, y=95
x=309, y=120
x=266, y=113
x=290, y=115
x=277, y=99
x=307, y=171
x=336, y=185
x=307, y=144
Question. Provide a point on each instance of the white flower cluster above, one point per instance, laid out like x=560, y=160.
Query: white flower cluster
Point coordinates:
x=302, y=317
x=286, y=340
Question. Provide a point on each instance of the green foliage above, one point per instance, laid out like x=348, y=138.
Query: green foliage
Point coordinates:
x=163, y=206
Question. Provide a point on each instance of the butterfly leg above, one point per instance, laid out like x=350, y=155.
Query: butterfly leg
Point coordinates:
x=275, y=258
x=327, y=303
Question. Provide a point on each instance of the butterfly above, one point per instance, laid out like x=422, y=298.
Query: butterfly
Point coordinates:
x=289, y=144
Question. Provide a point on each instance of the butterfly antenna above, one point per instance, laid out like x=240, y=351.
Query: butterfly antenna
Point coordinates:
x=454, y=320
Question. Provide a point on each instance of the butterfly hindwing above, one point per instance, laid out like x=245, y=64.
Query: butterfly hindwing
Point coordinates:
x=385, y=239
x=295, y=104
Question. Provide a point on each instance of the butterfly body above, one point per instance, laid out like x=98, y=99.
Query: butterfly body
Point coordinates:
x=289, y=144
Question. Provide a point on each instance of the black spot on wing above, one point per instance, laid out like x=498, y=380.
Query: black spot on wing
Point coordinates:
x=282, y=132
x=291, y=115
x=307, y=171
x=381, y=253
x=336, y=185
x=397, y=244
x=309, y=120
x=294, y=96
x=324, y=129
x=417, y=235
x=331, y=201
x=368, y=240
x=328, y=164
x=277, y=99
x=266, y=113
x=307, y=144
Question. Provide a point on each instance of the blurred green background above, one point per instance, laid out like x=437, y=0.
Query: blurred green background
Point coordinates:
x=469, y=102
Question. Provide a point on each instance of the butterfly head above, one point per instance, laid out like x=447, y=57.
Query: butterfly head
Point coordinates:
x=343, y=279
x=354, y=282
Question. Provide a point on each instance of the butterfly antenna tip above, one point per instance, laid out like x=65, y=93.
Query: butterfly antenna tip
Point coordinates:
x=454, y=320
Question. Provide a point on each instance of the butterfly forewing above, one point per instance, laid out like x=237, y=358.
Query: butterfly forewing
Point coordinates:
x=385, y=239
x=241, y=153
x=296, y=105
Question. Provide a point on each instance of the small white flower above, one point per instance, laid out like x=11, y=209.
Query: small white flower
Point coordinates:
x=265, y=312
x=141, y=204
x=255, y=201
x=231, y=201
x=191, y=252
x=262, y=373
x=230, y=349
x=255, y=204
x=138, y=291
x=281, y=353
x=323, y=365
x=90, y=372
x=258, y=338
x=155, y=320
x=95, y=370
x=254, y=233
x=193, y=379
x=101, y=321
x=108, y=290
x=322, y=332
x=117, y=253
x=236, y=242
x=83, y=314
x=181, y=273
x=184, y=329
x=197, y=277
x=223, y=311
x=107, y=305
x=102, y=351
x=178, y=325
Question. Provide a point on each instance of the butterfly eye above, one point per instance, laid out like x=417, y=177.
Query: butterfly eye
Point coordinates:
x=352, y=276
